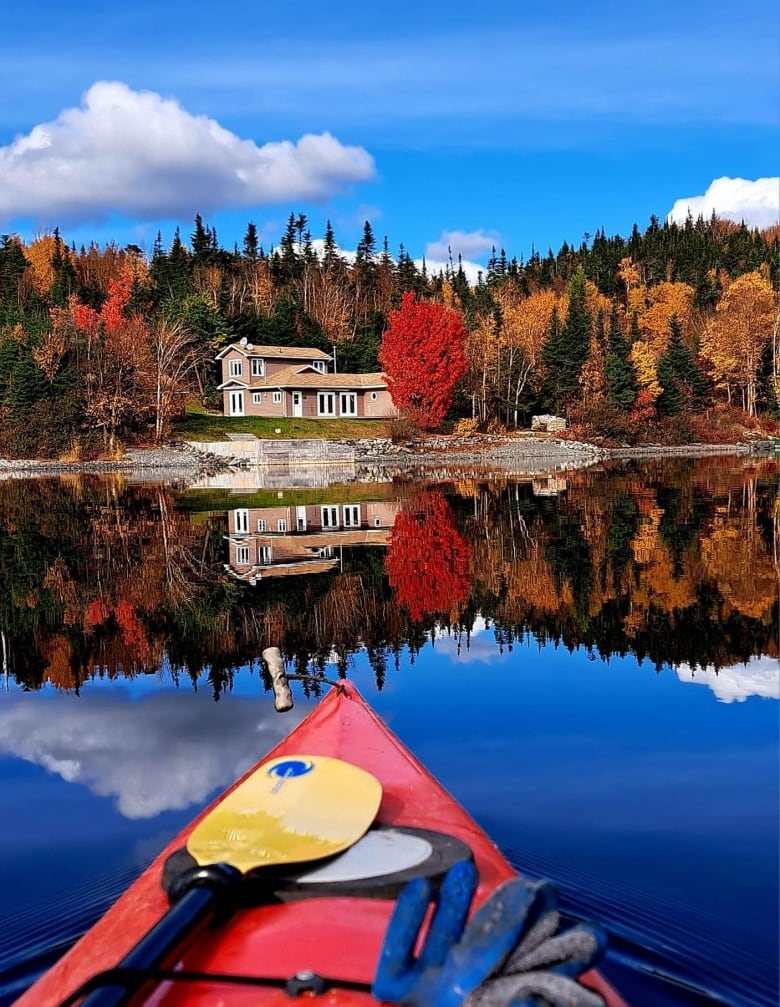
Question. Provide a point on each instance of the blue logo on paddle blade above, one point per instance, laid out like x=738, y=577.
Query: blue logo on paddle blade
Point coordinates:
x=290, y=767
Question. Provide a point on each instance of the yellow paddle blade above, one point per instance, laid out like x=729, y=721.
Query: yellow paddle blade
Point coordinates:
x=290, y=810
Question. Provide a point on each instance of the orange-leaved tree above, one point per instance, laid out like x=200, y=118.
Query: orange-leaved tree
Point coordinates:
x=422, y=355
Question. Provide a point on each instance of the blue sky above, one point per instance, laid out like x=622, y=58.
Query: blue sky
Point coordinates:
x=443, y=124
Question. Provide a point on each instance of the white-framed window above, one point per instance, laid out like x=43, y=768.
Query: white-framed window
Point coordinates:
x=257, y=398
x=241, y=521
x=260, y=524
x=318, y=365
x=372, y=396
x=377, y=522
x=329, y=517
x=325, y=552
x=277, y=397
x=348, y=403
x=242, y=555
x=258, y=367
x=326, y=404
x=350, y=514
x=281, y=525
x=265, y=555
x=234, y=368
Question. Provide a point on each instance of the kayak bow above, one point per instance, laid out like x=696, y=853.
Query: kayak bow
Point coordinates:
x=297, y=924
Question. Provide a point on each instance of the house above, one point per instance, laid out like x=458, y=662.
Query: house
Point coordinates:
x=277, y=381
x=286, y=540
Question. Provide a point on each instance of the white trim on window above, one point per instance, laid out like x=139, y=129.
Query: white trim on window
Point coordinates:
x=281, y=525
x=326, y=403
x=373, y=396
x=241, y=521
x=260, y=524
x=348, y=403
x=258, y=367
x=242, y=555
x=329, y=517
x=318, y=365
x=277, y=398
x=257, y=398
x=235, y=367
x=350, y=515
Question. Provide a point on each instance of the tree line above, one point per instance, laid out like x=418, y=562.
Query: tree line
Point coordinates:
x=626, y=337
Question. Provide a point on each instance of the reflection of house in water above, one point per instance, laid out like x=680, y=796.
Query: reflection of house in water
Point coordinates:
x=285, y=540
x=549, y=485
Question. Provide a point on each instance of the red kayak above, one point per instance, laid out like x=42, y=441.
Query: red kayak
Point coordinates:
x=312, y=931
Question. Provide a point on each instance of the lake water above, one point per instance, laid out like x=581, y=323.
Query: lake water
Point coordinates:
x=588, y=662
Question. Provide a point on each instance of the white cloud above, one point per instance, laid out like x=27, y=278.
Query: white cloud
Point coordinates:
x=161, y=752
x=757, y=202
x=138, y=154
x=469, y=244
x=759, y=677
x=480, y=645
x=436, y=266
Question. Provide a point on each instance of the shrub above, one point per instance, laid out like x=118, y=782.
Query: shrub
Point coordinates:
x=403, y=429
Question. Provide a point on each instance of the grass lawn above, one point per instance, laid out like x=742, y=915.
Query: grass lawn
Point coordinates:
x=201, y=426
x=206, y=502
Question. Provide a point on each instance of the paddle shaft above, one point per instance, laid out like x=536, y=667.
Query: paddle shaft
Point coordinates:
x=192, y=912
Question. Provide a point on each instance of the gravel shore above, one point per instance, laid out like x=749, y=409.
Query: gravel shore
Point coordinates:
x=184, y=462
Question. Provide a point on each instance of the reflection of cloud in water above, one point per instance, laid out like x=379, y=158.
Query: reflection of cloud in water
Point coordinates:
x=479, y=645
x=759, y=677
x=162, y=752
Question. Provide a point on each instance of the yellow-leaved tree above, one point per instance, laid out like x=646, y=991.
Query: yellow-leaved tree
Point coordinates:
x=736, y=337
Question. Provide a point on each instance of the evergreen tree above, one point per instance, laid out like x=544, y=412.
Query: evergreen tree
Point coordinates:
x=287, y=265
x=200, y=241
x=684, y=386
x=250, y=243
x=366, y=248
x=330, y=250
x=64, y=281
x=13, y=265
x=567, y=348
x=621, y=376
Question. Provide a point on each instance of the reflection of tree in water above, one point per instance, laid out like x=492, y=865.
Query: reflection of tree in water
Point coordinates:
x=671, y=562
x=428, y=559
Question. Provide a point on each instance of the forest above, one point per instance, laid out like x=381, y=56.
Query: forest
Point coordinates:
x=670, y=335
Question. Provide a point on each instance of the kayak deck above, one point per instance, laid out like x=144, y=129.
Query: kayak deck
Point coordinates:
x=338, y=937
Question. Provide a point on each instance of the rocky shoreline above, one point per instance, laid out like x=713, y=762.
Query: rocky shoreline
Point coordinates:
x=187, y=462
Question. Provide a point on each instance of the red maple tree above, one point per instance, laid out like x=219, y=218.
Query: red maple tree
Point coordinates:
x=427, y=560
x=422, y=354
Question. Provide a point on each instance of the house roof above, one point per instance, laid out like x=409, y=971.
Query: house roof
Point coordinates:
x=308, y=377
x=280, y=352
x=232, y=383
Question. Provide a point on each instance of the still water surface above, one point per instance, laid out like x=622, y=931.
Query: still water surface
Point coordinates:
x=588, y=664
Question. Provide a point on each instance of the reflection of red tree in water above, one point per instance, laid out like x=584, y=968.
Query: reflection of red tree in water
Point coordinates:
x=427, y=559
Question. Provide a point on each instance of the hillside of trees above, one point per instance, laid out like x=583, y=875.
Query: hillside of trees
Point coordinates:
x=668, y=335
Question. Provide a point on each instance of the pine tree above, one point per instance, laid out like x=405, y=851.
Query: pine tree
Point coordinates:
x=250, y=243
x=366, y=248
x=65, y=280
x=567, y=348
x=200, y=241
x=621, y=376
x=684, y=386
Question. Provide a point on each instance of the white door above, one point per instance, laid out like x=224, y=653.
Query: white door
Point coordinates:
x=301, y=518
x=236, y=403
x=297, y=398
